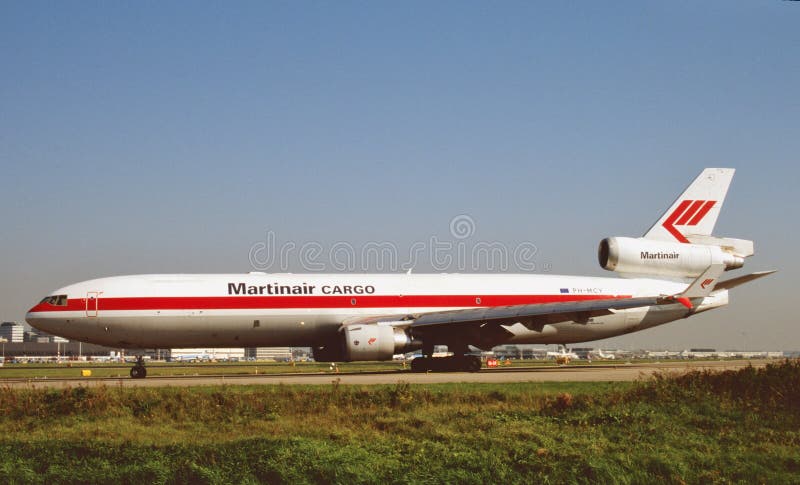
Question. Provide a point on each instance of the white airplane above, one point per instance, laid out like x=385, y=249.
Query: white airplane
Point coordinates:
x=191, y=358
x=671, y=272
x=599, y=354
x=562, y=353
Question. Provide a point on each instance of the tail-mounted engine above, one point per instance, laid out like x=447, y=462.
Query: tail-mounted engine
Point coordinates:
x=662, y=258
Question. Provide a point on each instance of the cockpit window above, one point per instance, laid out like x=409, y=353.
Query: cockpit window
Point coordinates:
x=55, y=300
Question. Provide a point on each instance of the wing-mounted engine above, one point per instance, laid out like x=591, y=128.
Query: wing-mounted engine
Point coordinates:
x=376, y=342
x=639, y=256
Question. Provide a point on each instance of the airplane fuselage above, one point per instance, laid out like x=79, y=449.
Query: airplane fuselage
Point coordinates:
x=257, y=309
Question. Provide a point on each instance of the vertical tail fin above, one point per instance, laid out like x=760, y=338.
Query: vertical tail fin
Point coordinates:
x=695, y=211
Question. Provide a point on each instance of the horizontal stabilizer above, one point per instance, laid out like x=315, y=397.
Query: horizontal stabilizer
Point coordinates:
x=738, y=247
x=734, y=282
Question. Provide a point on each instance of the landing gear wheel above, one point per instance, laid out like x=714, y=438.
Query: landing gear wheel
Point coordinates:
x=465, y=363
x=138, y=372
x=420, y=364
x=473, y=363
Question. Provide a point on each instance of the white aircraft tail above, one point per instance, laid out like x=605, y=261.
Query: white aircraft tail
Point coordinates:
x=694, y=213
x=680, y=245
x=690, y=220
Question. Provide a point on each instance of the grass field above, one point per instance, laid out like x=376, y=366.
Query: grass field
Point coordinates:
x=73, y=369
x=700, y=427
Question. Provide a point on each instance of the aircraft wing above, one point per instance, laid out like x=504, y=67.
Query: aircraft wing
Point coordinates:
x=531, y=315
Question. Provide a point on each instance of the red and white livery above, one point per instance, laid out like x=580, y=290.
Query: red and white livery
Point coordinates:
x=671, y=272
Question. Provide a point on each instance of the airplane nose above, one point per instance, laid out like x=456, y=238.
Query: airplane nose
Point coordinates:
x=51, y=314
x=40, y=321
x=35, y=321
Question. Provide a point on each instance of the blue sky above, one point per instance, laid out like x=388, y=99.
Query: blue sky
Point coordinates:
x=170, y=137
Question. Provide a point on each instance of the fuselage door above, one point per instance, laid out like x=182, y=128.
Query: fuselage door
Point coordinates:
x=92, y=301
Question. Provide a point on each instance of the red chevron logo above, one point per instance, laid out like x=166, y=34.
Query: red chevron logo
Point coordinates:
x=705, y=283
x=688, y=213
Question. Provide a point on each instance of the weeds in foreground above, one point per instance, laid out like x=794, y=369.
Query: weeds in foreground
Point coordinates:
x=735, y=426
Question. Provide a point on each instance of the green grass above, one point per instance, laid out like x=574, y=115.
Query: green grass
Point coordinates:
x=73, y=369
x=701, y=427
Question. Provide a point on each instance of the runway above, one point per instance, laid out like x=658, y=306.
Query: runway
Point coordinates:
x=583, y=373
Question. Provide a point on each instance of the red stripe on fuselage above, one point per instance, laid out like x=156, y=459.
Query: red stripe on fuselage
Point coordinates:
x=312, y=302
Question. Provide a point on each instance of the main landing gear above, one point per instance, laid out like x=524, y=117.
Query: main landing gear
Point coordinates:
x=454, y=363
x=138, y=371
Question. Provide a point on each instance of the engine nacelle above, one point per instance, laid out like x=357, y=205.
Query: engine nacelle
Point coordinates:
x=376, y=342
x=662, y=258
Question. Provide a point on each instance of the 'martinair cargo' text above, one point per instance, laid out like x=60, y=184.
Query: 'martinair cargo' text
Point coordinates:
x=301, y=289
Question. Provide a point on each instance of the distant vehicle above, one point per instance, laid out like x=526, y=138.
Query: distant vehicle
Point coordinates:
x=670, y=273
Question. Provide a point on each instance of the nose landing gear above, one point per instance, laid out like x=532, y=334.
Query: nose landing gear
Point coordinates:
x=138, y=371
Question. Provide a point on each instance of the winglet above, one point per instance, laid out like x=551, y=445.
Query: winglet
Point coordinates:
x=704, y=284
x=701, y=287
